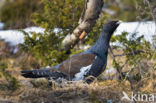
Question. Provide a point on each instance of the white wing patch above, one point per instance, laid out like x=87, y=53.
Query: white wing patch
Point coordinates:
x=83, y=71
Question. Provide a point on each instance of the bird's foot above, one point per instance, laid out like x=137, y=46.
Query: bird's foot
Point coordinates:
x=89, y=79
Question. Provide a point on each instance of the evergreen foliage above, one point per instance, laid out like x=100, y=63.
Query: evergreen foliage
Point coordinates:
x=58, y=18
x=136, y=50
x=17, y=13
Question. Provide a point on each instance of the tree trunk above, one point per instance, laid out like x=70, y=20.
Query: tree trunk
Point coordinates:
x=87, y=20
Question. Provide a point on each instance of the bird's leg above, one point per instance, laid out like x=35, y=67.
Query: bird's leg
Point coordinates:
x=89, y=79
x=64, y=82
x=51, y=81
x=60, y=82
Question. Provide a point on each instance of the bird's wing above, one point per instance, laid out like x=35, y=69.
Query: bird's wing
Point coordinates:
x=39, y=73
x=66, y=69
x=73, y=65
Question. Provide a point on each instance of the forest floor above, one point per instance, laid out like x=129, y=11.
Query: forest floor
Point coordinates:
x=16, y=89
x=107, y=91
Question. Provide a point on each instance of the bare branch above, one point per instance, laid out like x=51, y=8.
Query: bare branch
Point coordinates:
x=87, y=20
x=152, y=13
x=134, y=52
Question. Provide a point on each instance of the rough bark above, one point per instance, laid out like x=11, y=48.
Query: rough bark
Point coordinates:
x=87, y=20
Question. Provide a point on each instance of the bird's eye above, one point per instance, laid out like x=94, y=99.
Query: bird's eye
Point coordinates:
x=113, y=23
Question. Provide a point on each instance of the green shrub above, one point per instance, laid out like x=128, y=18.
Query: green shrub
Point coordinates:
x=136, y=51
x=58, y=18
x=17, y=13
x=12, y=82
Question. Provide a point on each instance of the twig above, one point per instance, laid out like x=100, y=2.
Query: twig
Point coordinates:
x=135, y=52
x=151, y=11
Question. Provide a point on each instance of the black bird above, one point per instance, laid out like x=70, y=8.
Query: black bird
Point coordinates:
x=89, y=63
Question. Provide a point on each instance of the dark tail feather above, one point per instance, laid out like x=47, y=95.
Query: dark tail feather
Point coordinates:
x=42, y=73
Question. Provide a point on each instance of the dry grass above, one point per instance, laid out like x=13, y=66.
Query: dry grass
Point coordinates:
x=74, y=92
x=38, y=91
x=41, y=91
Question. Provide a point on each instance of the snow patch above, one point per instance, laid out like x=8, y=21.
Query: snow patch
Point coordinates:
x=15, y=50
x=11, y=36
x=110, y=74
x=34, y=29
x=83, y=71
x=15, y=37
x=148, y=29
x=111, y=70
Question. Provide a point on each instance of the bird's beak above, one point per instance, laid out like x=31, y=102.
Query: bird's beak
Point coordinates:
x=119, y=22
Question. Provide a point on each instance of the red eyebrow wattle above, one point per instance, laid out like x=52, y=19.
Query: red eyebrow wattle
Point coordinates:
x=111, y=23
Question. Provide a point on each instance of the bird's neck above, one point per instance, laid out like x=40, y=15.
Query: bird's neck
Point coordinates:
x=101, y=46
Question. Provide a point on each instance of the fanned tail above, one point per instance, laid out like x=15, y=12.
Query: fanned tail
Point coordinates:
x=39, y=73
